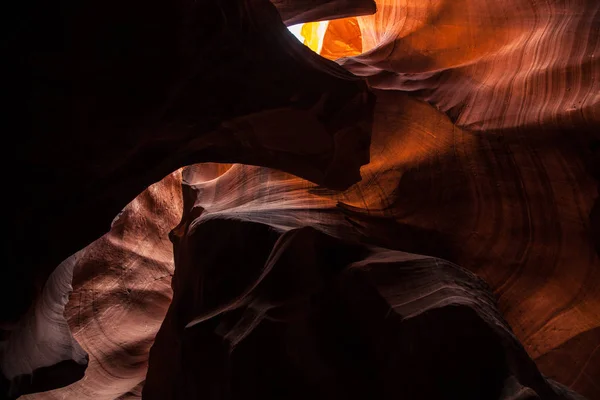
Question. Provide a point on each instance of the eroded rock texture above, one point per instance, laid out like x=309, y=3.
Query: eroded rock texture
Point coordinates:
x=489, y=64
x=297, y=314
x=418, y=150
x=541, y=265
x=483, y=167
x=117, y=96
x=40, y=353
x=121, y=292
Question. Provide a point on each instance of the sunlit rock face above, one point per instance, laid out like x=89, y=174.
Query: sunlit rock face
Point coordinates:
x=120, y=293
x=489, y=65
x=461, y=263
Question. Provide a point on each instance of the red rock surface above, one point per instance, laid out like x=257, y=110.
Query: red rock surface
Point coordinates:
x=463, y=263
x=122, y=95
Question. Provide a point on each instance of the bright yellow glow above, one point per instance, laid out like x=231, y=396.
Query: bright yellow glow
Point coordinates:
x=331, y=39
x=311, y=34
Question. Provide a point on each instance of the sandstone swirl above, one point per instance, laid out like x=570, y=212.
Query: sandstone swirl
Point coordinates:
x=431, y=188
x=489, y=64
x=461, y=263
x=119, y=96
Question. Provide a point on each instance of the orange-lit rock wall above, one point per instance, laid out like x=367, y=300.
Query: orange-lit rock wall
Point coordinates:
x=461, y=263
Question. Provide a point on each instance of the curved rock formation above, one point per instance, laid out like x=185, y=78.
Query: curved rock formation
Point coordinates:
x=432, y=188
x=298, y=11
x=40, y=353
x=318, y=281
x=122, y=95
x=489, y=64
x=121, y=292
x=261, y=314
x=416, y=151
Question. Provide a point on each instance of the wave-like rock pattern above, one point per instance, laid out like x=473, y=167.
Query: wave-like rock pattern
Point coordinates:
x=263, y=314
x=489, y=64
x=121, y=293
x=119, y=95
x=515, y=202
x=40, y=353
x=513, y=208
x=432, y=188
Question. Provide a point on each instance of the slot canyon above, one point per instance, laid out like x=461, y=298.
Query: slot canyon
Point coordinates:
x=301, y=199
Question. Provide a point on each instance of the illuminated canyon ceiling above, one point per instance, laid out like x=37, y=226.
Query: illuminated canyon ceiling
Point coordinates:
x=390, y=200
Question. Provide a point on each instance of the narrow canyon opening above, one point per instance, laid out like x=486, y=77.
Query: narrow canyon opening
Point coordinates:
x=413, y=213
